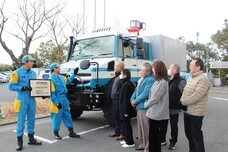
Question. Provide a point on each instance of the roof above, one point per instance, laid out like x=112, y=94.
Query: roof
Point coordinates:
x=108, y=31
x=219, y=65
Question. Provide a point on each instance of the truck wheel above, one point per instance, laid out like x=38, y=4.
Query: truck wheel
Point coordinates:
x=75, y=113
x=107, y=107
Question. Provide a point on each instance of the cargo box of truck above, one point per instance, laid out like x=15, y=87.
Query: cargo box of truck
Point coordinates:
x=169, y=50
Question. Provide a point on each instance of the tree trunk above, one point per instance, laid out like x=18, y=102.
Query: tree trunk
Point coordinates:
x=10, y=52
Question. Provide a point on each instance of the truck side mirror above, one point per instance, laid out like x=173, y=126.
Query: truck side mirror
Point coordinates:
x=85, y=64
x=140, y=54
x=139, y=43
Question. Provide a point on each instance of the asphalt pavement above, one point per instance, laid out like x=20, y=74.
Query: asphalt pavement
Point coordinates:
x=94, y=133
x=5, y=94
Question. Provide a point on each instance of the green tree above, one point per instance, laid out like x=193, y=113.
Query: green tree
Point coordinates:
x=45, y=52
x=48, y=52
x=55, y=57
x=204, y=51
x=5, y=67
x=181, y=38
x=221, y=39
x=38, y=63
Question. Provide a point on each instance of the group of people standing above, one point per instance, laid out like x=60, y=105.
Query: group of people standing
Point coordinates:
x=25, y=105
x=158, y=98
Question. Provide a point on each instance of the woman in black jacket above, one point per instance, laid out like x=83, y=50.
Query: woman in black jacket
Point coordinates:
x=126, y=111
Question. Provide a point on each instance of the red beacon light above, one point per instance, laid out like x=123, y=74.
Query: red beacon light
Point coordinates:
x=136, y=26
x=133, y=29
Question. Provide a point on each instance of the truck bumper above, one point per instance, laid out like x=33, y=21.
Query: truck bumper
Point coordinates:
x=87, y=101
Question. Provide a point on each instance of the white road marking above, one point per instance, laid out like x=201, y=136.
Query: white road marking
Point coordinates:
x=54, y=141
x=94, y=129
x=220, y=98
x=41, y=138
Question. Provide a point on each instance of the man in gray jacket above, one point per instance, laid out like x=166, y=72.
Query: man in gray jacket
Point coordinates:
x=195, y=97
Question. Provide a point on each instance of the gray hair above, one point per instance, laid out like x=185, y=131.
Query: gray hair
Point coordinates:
x=148, y=67
x=176, y=66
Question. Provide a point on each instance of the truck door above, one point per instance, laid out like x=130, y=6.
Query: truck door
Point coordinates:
x=143, y=56
x=126, y=53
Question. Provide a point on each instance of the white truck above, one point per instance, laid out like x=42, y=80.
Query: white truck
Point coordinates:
x=96, y=54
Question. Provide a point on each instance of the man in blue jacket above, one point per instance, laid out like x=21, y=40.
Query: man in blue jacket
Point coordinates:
x=24, y=105
x=138, y=99
x=60, y=105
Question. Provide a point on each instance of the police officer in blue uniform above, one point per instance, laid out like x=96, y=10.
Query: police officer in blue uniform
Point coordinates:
x=60, y=105
x=24, y=105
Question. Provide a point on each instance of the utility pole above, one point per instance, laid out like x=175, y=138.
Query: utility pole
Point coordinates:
x=197, y=35
x=95, y=11
x=83, y=18
x=104, y=11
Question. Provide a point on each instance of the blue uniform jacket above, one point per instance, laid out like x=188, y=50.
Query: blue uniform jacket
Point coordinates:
x=59, y=86
x=19, y=79
x=143, y=92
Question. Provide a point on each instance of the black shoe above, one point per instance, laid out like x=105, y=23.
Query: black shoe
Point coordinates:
x=19, y=144
x=72, y=134
x=138, y=149
x=33, y=141
x=172, y=146
x=57, y=136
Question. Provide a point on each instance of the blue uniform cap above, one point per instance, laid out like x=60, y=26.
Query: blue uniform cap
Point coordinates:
x=54, y=65
x=28, y=58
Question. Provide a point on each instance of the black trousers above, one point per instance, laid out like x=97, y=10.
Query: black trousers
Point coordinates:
x=128, y=131
x=174, y=128
x=163, y=130
x=192, y=126
x=154, y=136
x=119, y=127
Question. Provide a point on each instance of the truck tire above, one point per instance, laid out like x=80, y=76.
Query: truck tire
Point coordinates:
x=75, y=113
x=107, y=107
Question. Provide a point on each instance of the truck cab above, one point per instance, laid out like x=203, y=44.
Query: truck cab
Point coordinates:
x=96, y=54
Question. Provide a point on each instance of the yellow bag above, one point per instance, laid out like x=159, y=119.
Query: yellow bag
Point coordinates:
x=54, y=108
x=17, y=105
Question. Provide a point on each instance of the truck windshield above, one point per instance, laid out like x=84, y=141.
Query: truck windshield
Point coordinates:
x=94, y=48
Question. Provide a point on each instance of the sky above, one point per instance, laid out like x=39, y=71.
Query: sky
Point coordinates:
x=172, y=18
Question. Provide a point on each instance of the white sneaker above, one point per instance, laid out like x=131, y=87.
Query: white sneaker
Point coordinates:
x=123, y=142
x=163, y=143
x=128, y=146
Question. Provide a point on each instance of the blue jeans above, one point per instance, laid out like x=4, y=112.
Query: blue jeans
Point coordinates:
x=192, y=126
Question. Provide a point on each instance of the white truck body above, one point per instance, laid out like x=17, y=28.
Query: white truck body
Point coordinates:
x=101, y=50
x=168, y=50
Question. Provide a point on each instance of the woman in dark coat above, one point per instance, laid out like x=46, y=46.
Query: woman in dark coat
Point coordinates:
x=126, y=111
